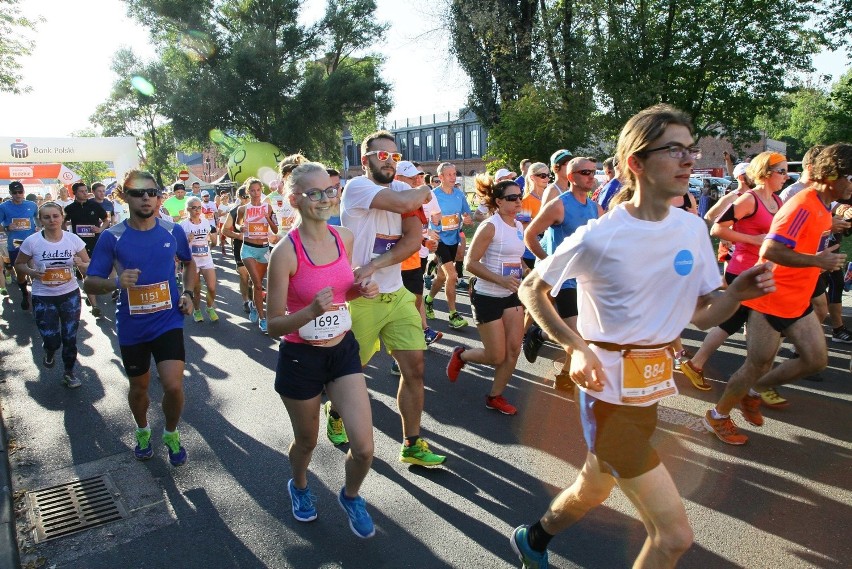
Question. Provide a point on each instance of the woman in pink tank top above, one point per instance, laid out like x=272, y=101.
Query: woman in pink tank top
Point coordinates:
x=310, y=280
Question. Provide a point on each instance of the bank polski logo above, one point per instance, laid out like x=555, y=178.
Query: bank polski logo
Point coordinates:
x=19, y=149
x=683, y=262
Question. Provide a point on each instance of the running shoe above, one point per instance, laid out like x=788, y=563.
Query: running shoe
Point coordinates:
x=96, y=312
x=25, y=301
x=262, y=325
x=679, y=358
x=49, y=358
x=499, y=403
x=303, y=503
x=455, y=364
x=842, y=335
x=253, y=314
x=771, y=398
x=457, y=321
x=533, y=341
x=177, y=454
x=427, y=281
x=246, y=307
x=143, y=450
x=696, y=376
x=750, y=408
x=197, y=316
x=724, y=429
x=462, y=284
x=115, y=295
x=430, y=307
x=360, y=521
x=70, y=381
x=431, y=336
x=88, y=302
x=419, y=454
x=334, y=429
x=563, y=382
x=395, y=368
x=530, y=558
x=211, y=314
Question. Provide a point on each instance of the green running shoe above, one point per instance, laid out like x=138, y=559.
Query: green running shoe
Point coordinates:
x=211, y=313
x=419, y=454
x=197, y=316
x=334, y=428
x=457, y=320
x=177, y=454
x=143, y=450
x=429, y=304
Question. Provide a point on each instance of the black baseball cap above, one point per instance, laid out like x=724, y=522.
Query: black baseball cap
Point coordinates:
x=15, y=186
x=178, y=186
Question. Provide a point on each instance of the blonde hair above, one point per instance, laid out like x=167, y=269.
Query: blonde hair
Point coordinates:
x=534, y=168
x=760, y=167
x=299, y=173
x=286, y=166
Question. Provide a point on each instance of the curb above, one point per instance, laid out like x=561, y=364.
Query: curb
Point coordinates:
x=9, y=555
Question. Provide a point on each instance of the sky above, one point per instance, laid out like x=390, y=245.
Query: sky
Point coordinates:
x=69, y=69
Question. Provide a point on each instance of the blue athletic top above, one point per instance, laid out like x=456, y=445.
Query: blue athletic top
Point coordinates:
x=154, y=299
x=20, y=221
x=452, y=205
x=576, y=216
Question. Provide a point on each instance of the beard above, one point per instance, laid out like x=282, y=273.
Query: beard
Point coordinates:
x=143, y=214
x=377, y=175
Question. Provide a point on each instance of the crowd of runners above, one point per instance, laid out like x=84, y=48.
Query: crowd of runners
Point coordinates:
x=336, y=271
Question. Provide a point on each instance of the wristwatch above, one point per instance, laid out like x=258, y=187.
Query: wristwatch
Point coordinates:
x=190, y=293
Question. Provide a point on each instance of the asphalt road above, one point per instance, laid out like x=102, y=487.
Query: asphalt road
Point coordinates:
x=783, y=501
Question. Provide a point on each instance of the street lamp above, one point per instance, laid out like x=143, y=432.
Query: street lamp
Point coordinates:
x=207, y=173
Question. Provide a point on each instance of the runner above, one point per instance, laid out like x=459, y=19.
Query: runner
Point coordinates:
x=745, y=223
x=258, y=221
x=88, y=220
x=149, y=313
x=210, y=211
x=176, y=205
x=310, y=280
x=561, y=183
x=796, y=243
x=18, y=217
x=54, y=254
x=99, y=191
x=538, y=175
x=234, y=231
x=197, y=230
x=494, y=258
x=223, y=205
x=455, y=211
x=624, y=327
x=371, y=209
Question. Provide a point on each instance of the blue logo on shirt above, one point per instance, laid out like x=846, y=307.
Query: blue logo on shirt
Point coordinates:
x=683, y=262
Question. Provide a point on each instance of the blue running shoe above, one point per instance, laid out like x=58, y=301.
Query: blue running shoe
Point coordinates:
x=431, y=336
x=359, y=520
x=177, y=454
x=530, y=558
x=262, y=325
x=143, y=450
x=253, y=316
x=303, y=503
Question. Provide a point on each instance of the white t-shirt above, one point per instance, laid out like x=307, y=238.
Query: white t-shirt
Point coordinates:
x=199, y=244
x=791, y=191
x=375, y=230
x=637, y=281
x=120, y=212
x=430, y=209
x=58, y=261
x=209, y=211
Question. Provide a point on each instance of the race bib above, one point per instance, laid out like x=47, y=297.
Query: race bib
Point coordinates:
x=824, y=241
x=209, y=215
x=145, y=299
x=647, y=376
x=85, y=230
x=20, y=224
x=449, y=222
x=257, y=230
x=383, y=244
x=333, y=323
x=55, y=276
x=200, y=250
x=512, y=270
x=287, y=222
x=524, y=216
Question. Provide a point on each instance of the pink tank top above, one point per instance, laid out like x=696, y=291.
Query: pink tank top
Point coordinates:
x=745, y=254
x=310, y=278
x=255, y=225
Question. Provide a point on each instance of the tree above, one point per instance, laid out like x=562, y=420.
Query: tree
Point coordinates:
x=136, y=108
x=13, y=46
x=249, y=68
x=839, y=117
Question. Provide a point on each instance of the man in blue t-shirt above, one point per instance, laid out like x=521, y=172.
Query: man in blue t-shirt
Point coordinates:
x=150, y=308
x=455, y=212
x=99, y=191
x=18, y=217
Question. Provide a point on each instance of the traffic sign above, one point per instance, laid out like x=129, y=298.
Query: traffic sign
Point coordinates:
x=183, y=175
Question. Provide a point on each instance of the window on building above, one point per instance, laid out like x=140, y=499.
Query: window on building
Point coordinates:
x=415, y=147
x=403, y=146
x=459, y=144
x=445, y=150
x=430, y=148
x=474, y=142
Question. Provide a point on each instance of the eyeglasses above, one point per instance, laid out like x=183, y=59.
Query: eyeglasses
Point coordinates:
x=141, y=192
x=676, y=151
x=511, y=198
x=316, y=194
x=542, y=175
x=781, y=171
x=583, y=172
x=383, y=155
x=193, y=207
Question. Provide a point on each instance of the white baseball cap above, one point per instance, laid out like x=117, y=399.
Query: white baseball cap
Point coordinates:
x=503, y=173
x=740, y=169
x=407, y=169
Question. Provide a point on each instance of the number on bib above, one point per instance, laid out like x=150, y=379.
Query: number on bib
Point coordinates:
x=647, y=376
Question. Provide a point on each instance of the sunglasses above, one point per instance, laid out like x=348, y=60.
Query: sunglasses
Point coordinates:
x=316, y=194
x=781, y=171
x=383, y=155
x=512, y=197
x=16, y=191
x=194, y=207
x=542, y=175
x=583, y=172
x=142, y=192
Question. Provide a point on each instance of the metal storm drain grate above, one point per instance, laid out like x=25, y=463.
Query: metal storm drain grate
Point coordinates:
x=75, y=506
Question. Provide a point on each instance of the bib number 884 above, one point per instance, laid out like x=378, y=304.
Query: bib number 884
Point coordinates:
x=654, y=370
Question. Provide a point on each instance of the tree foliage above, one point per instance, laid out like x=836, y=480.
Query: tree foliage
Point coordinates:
x=13, y=46
x=249, y=68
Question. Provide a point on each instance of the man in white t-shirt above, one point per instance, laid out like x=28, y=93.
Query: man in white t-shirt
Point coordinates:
x=622, y=360
x=381, y=213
